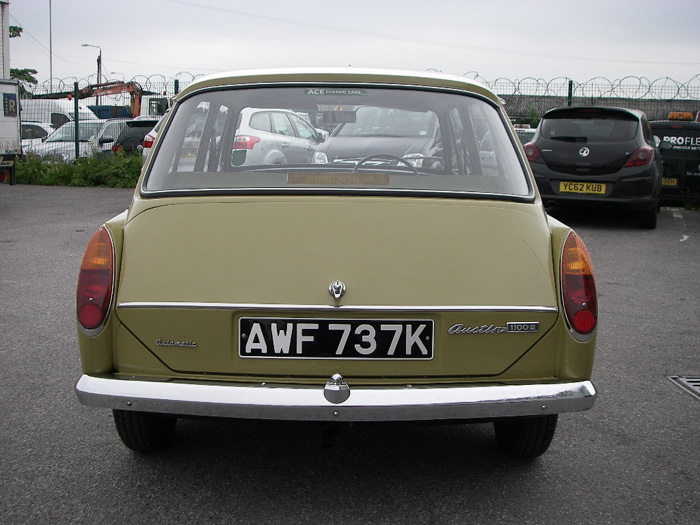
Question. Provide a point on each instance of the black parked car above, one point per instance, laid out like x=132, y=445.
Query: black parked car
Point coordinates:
x=598, y=156
x=376, y=136
x=681, y=181
x=130, y=140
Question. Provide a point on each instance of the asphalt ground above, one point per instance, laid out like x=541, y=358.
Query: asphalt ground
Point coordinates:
x=633, y=458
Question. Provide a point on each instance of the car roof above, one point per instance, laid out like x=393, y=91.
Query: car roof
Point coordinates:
x=141, y=123
x=389, y=77
x=45, y=125
x=573, y=109
x=677, y=124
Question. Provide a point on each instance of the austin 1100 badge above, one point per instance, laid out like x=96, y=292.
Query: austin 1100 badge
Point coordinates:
x=509, y=328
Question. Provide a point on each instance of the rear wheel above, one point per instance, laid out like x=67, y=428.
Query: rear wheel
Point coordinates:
x=525, y=437
x=144, y=431
x=647, y=219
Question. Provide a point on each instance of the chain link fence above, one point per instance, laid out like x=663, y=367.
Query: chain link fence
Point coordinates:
x=524, y=98
x=526, y=101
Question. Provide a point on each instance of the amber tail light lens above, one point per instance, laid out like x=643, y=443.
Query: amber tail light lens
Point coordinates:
x=94, y=291
x=578, y=286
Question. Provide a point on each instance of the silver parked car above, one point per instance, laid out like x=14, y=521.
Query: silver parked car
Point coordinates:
x=274, y=136
x=262, y=136
x=33, y=133
x=95, y=136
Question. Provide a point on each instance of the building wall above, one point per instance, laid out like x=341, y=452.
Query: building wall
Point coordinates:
x=4, y=39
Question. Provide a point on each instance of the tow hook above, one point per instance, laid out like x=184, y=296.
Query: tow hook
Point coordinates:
x=336, y=390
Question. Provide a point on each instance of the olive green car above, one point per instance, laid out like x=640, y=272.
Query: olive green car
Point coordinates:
x=411, y=275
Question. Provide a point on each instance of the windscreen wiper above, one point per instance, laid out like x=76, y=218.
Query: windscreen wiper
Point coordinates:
x=569, y=138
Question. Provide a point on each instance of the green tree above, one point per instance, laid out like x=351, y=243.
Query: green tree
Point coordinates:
x=25, y=76
x=531, y=118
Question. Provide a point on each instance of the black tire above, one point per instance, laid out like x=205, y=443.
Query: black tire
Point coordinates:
x=525, y=437
x=143, y=431
x=647, y=219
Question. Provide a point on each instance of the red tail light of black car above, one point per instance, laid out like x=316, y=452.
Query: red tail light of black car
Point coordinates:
x=532, y=153
x=640, y=157
x=578, y=287
x=94, y=292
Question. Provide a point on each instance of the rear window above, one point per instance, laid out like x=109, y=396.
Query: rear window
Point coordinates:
x=598, y=126
x=133, y=134
x=329, y=139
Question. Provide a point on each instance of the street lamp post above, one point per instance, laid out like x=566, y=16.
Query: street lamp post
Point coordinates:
x=99, y=66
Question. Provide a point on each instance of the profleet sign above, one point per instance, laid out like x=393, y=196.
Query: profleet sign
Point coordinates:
x=683, y=142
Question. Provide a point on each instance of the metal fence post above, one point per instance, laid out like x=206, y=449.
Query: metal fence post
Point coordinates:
x=76, y=120
x=570, y=98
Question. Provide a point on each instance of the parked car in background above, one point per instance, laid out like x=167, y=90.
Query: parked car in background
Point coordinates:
x=273, y=136
x=130, y=140
x=524, y=134
x=601, y=157
x=681, y=181
x=34, y=133
x=149, y=139
x=95, y=138
x=55, y=111
x=370, y=131
x=338, y=291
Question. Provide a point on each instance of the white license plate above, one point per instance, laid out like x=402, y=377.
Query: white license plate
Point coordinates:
x=294, y=338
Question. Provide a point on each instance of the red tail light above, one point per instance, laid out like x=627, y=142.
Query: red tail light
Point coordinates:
x=94, y=292
x=148, y=141
x=578, y=286
x=245, y=142
x=640, y=157
x=533, y=154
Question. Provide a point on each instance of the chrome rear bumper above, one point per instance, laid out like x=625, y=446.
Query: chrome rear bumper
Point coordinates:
x=304, y=403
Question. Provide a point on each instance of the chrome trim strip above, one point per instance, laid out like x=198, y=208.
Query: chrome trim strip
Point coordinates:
x=309, y=307
x=308, y=403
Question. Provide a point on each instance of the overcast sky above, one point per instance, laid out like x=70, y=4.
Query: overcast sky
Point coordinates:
x=515, y=39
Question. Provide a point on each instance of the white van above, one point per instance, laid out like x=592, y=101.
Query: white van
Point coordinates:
x=55, y=111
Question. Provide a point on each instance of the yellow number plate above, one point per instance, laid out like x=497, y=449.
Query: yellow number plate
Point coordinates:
x=669, y=181
x=582, y=187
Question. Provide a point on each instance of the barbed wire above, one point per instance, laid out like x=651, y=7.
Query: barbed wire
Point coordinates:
x=156, y=83
x=629, y=87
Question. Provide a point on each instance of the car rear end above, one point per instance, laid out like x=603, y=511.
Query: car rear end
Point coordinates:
x=130, y=140
x=383, y=292
x=596, y=157
x=680, y=184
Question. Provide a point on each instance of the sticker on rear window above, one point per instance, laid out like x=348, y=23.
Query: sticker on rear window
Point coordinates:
x=347, y=92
